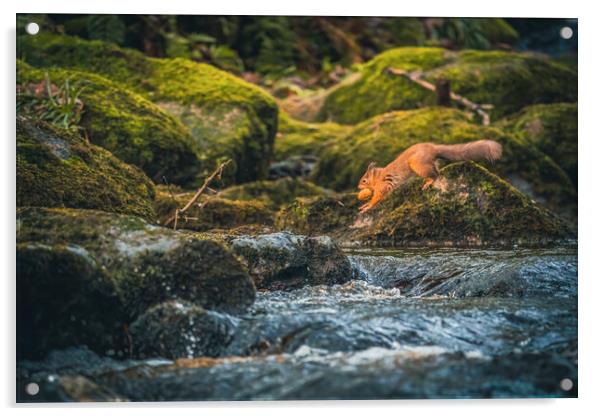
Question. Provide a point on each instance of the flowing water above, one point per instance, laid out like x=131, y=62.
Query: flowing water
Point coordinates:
x=412, y=324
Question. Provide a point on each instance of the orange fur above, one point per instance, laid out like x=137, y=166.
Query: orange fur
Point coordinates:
x=419, y=160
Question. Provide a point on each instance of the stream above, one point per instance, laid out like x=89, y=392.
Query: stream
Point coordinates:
x=419, y=323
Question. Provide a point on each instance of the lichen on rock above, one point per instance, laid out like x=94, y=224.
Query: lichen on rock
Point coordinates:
x=58, y=168
x=227, y=117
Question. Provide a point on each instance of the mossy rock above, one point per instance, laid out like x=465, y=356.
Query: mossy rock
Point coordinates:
x=331, y=215
x=211, y=212
x=382, y=138
x=228, y=117
x=375, y=92
x=130, y=126
x=179, y=329
x=69, y=259
x=57, y=168
x=284, y=261
x=552, y=128
x=508, y=80
x=296, y=137
x=273, y=194
x=467, y=206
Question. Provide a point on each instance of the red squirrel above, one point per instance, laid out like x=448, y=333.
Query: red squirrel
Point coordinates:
x=419, y=159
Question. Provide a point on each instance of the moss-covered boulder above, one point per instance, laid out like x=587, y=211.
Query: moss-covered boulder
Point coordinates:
x=83, y=274
x=57, y=168
x=552, y=128
x=274, y=194
x=283, y=261
x=130, y=126
x=467, y=205
x=382, y=138
x=179, y=329
x=508, y=80
x=331, y=215
x=227, y=117
x=298, y=138
x=211, y=212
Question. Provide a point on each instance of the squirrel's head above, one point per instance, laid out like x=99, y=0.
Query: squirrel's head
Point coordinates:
x=369, y=179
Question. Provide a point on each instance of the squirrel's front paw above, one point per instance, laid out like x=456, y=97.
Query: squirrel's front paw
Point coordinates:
x=364, y=208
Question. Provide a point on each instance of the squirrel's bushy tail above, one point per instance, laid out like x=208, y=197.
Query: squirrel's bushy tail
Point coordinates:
x=477, y=150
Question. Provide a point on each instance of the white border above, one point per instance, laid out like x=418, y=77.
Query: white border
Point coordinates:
x=590, y=154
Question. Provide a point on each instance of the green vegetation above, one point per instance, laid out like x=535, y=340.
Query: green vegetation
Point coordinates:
x=131, y=127
x=57, y=168
x=227, y=117
x=508, y=80
x=552, y=128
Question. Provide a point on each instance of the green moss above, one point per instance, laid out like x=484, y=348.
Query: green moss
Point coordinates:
x=332, y=215
x=376, y=92
x=508, y=80
x=227, y=117
x=82, y=275
x=273, y=194
x=382, y=138
x=469, y=206
x=296, y=138
x=57, y=168
x=552, y=128
x=211, y=213
x=131, y=127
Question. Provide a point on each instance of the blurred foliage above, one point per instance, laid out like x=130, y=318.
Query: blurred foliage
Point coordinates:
x=281, y=45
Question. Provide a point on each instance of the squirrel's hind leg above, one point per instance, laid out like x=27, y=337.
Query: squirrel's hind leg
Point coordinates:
x=424, y=169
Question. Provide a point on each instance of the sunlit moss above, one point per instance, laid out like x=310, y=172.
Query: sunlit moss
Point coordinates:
x=130, y=126
x=227, y=117
x=552, y=128
x=57, y=168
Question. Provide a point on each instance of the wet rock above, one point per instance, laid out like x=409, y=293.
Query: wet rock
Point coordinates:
x=82, y=274
x=382, y=138
x=282, y=261
x=467, y=206
x=227, y=117
x=178, y=329
x=58, y=168
x=293, y=167
x=128, y=125
x=508, y=80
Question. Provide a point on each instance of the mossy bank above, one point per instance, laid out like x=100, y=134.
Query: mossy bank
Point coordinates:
x=507, y=80
x=227, y=117
x=125, y=123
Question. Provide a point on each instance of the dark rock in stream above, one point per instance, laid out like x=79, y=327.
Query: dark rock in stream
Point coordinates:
x=178, y=329
x=282, y=261
x=83, y=274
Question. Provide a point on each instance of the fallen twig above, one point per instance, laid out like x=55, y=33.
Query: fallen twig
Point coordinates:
x=477, y=108
x=217, y=173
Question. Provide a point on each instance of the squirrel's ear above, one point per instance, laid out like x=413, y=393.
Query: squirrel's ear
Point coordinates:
x=371, y=166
